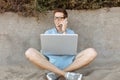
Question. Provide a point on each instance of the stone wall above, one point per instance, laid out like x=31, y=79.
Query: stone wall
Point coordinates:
x=98, y=29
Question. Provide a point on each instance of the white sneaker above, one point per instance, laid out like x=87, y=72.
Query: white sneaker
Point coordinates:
x=73, y=76
x=51, y=76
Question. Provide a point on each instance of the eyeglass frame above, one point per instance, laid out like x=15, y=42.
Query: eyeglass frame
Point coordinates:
x=58, y=18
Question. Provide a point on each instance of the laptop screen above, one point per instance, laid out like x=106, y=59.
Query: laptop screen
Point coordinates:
x=59, y=44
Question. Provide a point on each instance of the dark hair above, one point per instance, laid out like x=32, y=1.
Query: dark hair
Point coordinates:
x=62, y=11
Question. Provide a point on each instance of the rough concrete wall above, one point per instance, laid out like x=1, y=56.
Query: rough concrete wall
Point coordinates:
x=98, y=29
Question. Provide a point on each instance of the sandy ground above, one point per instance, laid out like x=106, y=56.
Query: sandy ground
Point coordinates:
x=27, y=73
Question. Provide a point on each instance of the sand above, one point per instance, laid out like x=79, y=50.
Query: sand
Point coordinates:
x=33, y=73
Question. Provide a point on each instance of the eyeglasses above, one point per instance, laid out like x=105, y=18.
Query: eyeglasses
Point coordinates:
x=59, y=18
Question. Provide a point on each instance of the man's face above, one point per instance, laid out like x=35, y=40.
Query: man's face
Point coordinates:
x=58, y=18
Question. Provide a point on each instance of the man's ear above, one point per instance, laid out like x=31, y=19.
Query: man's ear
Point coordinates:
x=66, y=20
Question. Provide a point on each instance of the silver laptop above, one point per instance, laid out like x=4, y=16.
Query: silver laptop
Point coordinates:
x=59, y=44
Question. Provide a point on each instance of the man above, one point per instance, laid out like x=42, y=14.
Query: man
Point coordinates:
x=61, y=65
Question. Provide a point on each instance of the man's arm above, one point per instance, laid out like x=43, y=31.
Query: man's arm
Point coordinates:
x=64, y=25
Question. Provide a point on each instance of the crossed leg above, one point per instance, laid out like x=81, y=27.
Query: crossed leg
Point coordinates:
x=82, y=59
x=39, y=60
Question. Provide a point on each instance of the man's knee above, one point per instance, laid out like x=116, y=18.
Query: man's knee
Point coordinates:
x=29, y=52
x=92, y=52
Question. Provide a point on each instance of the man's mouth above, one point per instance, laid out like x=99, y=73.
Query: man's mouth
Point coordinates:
x=60, y=25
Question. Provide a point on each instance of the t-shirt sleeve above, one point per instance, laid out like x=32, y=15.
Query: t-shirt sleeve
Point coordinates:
x=72, y=32
x=47, y=32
